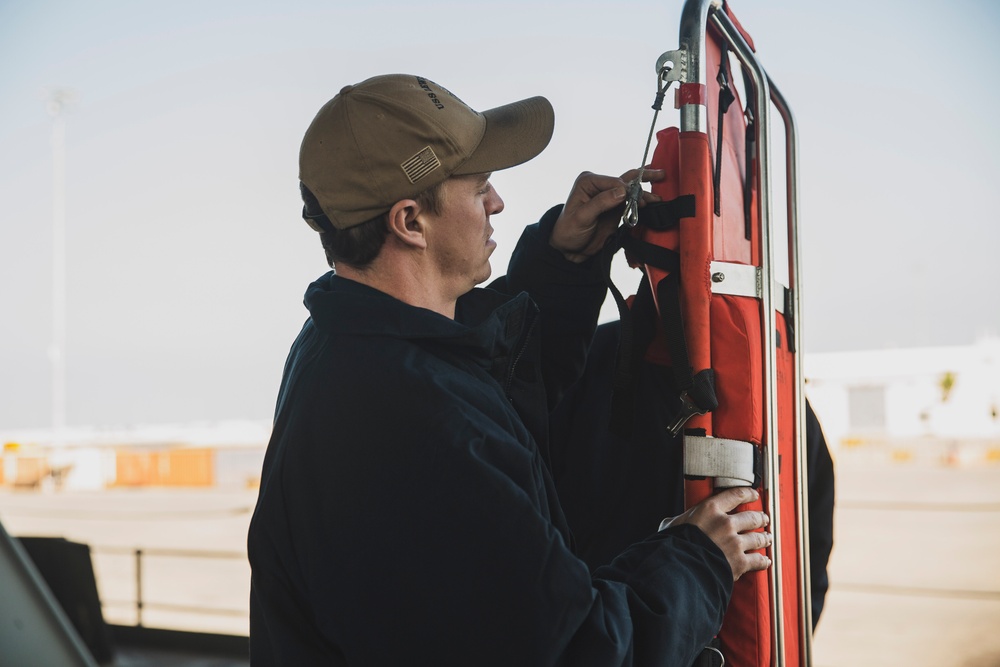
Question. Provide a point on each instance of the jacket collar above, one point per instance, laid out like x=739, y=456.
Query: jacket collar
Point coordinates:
x=486, y=321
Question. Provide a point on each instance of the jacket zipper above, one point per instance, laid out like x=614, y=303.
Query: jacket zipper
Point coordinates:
x=520, y=353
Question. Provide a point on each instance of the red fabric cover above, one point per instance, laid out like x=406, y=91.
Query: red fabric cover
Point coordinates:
x=736, y=358
x=729, y=229
x=746, y=35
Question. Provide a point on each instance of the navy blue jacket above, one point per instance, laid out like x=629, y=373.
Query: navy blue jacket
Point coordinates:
x=407, y=514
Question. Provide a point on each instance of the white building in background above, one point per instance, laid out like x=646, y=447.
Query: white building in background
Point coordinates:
x=908, y=395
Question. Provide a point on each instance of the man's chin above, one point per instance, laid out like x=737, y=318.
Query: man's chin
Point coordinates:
x=485, y=275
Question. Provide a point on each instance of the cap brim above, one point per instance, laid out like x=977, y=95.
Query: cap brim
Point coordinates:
x=515, y=133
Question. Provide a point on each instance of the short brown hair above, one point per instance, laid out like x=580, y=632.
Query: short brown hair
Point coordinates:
x=358, y=246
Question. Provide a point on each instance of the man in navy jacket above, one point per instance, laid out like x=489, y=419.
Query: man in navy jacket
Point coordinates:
x=407, y=514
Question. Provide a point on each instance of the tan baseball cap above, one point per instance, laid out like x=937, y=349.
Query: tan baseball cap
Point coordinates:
x=391, y=137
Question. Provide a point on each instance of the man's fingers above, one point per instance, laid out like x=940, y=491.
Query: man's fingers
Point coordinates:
x=730, y=499
x=592, y=185
x=649, y=198
x=756, y=562
x=594, y=194
x=751, y=558
x=749, y=520
x=755, y=541
x=601, y=202
x=648, y=175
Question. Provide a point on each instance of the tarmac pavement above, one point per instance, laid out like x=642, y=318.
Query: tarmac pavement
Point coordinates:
x=915, y=572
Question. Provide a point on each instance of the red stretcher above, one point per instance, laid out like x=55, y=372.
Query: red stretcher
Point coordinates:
x=720, y=306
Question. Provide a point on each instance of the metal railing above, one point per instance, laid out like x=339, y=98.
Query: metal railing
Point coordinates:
x=140, y=601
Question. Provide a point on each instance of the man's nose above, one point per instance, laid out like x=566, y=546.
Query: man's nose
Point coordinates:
x=495, y=203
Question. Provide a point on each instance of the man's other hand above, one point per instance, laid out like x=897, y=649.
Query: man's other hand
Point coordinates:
x=736, y=533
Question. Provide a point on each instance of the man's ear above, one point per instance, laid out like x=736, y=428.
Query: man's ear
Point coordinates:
x=406, y=225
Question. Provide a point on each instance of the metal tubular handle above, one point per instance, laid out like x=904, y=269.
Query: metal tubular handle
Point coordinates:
x=694, y=18
x=795, y=276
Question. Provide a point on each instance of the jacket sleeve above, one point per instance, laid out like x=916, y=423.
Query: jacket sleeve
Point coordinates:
x=675, y=586
x=821, y=501
x=569, y=298
x=467, y=568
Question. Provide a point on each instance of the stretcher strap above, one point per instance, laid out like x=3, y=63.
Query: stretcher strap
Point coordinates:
x=635, y=334
x=730, y=462
x=696, y=391
x=637, y=326
x=750, y=149
x=667, y=214
x=790, y=319
x=726, y=98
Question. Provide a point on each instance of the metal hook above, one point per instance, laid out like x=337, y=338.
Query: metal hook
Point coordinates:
x=721, y=657
x=633, y=192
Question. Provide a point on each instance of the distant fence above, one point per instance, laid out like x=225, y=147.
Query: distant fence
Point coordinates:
x=141, y=601
x=950, y=452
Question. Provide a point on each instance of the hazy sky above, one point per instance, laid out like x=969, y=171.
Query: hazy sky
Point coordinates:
x=187, y=258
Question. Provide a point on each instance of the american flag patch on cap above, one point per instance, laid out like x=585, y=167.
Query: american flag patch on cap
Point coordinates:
x=420, y=165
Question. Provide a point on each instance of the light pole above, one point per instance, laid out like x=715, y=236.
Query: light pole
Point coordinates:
x=58, y=101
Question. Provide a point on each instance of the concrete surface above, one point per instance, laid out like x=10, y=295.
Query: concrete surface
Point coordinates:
x=915, y=572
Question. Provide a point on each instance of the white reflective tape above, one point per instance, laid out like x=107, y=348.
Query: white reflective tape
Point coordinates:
x=729, y=461
x=736, y=279
x=744, y=280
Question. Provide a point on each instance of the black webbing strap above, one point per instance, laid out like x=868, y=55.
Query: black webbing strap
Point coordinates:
x=790, y=319
x=697, y=391
x=663, y=215
x=651, y=254
x=624, y=379
x=637, y=332
x=750, y=149
x=637, y=325
x=726, y=98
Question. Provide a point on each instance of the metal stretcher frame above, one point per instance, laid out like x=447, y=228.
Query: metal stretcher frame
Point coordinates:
x=689, y=68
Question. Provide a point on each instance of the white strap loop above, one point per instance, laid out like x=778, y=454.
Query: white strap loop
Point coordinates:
x=730, y=462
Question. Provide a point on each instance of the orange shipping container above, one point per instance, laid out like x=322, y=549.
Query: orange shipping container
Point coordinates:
x=31, y=470
x=189, y=467
x=172, y=467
